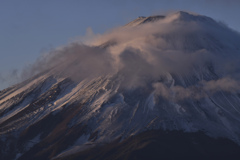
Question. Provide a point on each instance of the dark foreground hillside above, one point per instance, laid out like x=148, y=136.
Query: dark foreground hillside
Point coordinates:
x=163, y=145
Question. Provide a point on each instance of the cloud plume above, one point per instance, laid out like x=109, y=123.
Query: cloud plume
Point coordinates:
x=180, y=45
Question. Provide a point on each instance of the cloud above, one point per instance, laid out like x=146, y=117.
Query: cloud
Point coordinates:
x=176, y=93
x=224, y=84
x=181, y=56
x=77, y=61
x=201, y=90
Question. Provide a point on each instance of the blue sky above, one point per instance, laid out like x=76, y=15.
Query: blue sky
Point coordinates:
x=29, y=28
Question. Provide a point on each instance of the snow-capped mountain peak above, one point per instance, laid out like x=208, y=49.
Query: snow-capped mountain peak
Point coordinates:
x=177, y=72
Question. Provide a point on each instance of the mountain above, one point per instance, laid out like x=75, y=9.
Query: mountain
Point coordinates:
x=159, y=87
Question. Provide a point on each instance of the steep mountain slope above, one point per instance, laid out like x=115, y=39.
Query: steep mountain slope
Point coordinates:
x=178, y=72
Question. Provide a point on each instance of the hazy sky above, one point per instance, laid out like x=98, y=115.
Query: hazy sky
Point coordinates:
x=31, y=27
